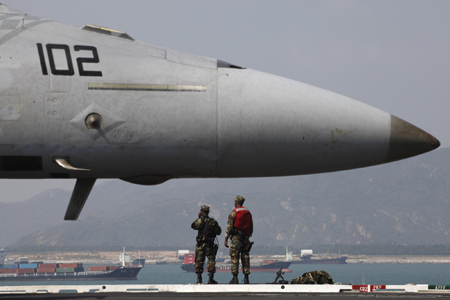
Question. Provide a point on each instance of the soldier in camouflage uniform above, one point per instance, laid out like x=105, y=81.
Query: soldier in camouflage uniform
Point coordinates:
x=240, y=241
x=207, y=228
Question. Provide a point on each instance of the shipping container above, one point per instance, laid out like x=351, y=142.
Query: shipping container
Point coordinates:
x=112, y=268
x=70, y=265
x=28, y=266
x=99, y=268
x=65, y=270
x=10, y=266
x=9, y=271
x=189, y=258
x=26, y=271
x=46, y=270
x=42, y=266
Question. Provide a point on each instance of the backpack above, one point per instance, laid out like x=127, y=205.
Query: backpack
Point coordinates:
x=243, y=220
x=319, y=277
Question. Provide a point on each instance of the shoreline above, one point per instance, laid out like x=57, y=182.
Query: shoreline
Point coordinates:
x=399, y=259
x=170, y=257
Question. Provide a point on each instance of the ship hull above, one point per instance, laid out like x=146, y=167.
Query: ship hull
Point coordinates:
x=118, y=274
x=273, y=267
x=324, y=261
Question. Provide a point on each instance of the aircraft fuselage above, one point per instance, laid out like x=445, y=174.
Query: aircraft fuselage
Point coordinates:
x=94, y=103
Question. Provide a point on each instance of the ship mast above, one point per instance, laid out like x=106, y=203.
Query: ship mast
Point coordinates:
x=288, y=254
x=123, y=257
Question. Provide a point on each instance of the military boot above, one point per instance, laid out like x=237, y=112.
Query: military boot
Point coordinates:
x=234, y=280
x=211, y=279
x=246, y=280
x=199, y=278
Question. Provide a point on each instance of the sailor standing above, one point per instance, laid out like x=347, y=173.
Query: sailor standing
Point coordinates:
x=239, y=229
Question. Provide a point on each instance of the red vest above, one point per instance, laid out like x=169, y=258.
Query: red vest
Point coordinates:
x=243, y=219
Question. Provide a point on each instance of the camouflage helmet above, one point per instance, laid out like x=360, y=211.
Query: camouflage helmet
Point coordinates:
x=239, y=199
x=205, y=208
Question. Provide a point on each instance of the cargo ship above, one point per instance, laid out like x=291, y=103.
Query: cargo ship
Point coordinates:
x=257, y=266
x=307, y=258
x=322, y=261
x=67, y=271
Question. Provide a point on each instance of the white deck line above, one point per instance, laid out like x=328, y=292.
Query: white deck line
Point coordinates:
x=408, y=288
x=203, y=288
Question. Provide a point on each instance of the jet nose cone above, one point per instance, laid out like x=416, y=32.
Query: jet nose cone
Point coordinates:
x=407, y=140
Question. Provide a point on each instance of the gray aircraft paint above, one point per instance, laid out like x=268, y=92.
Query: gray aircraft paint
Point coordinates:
x=260, y=136
x=167, y=114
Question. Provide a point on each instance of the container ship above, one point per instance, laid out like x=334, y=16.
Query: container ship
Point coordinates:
x=23, y=270
x=260, y=266
x=306, y=257
x=182, y=253
x=67, y=271
x=322, y=261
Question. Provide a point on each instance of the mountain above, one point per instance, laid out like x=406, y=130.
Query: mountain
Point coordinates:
x=404, y=203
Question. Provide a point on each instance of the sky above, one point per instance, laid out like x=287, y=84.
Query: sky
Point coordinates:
x=393, y=55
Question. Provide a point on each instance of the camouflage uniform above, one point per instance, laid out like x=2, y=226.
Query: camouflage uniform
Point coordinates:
x=204, y=247
x=240, y=244
x=320, y=277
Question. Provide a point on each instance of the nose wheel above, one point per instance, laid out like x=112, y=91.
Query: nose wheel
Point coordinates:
x=81, y=192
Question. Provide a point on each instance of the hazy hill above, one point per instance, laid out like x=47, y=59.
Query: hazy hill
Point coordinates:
x=401, y=203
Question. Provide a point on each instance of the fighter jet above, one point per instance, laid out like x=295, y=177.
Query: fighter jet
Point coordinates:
x=92, y=102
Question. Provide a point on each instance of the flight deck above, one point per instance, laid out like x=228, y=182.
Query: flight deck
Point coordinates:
x=222, y=291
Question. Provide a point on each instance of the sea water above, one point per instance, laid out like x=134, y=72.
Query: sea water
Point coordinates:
x=397, y=274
